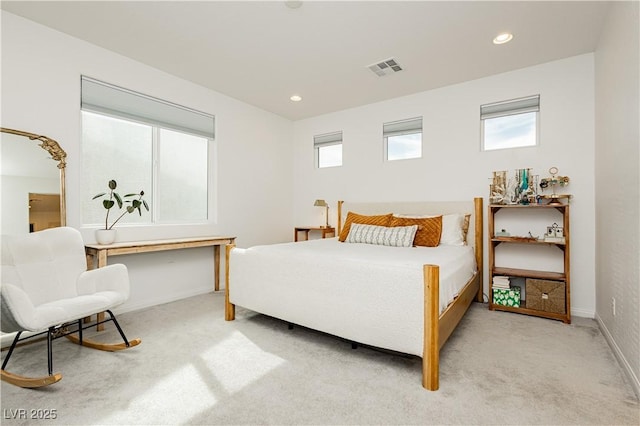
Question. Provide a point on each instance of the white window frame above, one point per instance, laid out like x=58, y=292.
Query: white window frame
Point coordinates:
x=525, y=105
x=116, y=102
x=326, y=140
x=410, y=126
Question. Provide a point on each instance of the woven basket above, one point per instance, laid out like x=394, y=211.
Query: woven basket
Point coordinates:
x=545, y=295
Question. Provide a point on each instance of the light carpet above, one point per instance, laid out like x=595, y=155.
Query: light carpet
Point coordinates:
x=194, y=368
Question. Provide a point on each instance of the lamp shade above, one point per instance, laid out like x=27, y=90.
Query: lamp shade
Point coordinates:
x=320, y=203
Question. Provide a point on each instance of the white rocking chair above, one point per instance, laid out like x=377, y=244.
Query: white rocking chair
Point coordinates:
x=47, y=289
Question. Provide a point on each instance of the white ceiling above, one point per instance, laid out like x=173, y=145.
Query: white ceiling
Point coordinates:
x=263, y=52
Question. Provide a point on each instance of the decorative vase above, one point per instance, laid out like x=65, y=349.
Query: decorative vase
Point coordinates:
x=105, y=236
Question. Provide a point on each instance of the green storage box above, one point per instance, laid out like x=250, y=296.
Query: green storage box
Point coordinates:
x=504, y=297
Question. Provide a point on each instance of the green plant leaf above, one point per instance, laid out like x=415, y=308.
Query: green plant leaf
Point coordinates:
x=98, y=196
x=146, y=206
x=130, y=209
x=112, y=184
x=118, y=199
x=107, y=204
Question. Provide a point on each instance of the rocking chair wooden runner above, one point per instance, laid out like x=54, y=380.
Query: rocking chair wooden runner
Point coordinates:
x=46, y=289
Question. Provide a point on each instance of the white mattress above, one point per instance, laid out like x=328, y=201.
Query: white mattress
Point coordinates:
x=366, y=293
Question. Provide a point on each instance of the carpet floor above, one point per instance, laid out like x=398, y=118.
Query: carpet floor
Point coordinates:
x=194, y=368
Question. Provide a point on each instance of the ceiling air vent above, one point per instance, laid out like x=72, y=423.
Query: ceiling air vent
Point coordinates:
x=385, y=67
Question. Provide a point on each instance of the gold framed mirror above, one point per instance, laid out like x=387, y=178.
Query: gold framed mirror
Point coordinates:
x=31, y=183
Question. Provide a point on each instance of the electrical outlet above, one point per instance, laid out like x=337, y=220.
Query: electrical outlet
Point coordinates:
x=613, y=306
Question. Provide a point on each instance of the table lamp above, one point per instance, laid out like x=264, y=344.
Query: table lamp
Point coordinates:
x=323, y=203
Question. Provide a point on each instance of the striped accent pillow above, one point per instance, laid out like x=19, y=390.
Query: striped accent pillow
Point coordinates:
x=397, y=236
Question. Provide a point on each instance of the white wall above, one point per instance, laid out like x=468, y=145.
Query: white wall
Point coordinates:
x=453, y=167
x=41, y=71
x=617, y=84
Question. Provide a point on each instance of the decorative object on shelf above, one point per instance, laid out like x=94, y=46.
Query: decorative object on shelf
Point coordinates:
x=503, y=233
x=507, y=297
x=498, y=188
x=545, y=295
x=502, y=282
x=108, y=203
x=524, y=239
x=323, y=203
x=552, y=182
x=555, y=234
x=525, y=188
x=520, y=189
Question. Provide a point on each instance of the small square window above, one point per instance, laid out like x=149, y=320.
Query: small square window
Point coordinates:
x=510, y=124
x=403, y=139
x=328, y=150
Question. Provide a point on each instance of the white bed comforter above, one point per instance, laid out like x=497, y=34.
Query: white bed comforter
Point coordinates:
x=366, y=293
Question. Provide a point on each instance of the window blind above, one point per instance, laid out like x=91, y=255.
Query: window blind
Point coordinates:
x=327, y=139
x=515, y=106
x=403, y=127
x=105, y=98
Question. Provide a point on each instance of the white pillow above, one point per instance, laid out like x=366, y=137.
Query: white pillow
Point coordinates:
x=452, y=228
x=397, y=236
x=452, y=233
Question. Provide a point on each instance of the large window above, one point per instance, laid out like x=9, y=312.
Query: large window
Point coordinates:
x=328, y=149
x=403, y=139
x=510, y=124
x=145, y=144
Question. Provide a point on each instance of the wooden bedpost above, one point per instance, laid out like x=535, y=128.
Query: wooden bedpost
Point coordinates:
x=479, y=231
x=339, y=227
x=229, y=308
x=431, y=347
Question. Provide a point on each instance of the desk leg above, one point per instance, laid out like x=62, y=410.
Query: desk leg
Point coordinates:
x=102, y=261
x=216, y=268
x=91, y=264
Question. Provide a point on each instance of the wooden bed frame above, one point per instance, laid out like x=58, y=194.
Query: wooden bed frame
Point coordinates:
x=437, y=327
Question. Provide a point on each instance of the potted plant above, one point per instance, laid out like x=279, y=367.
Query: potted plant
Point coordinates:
x=107, y=234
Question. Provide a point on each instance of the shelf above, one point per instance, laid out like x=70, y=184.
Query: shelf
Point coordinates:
x=528, y=206
x=534, y=312
x=522, y=240
x=562, y=208
x=524, y=212
x=528, y=273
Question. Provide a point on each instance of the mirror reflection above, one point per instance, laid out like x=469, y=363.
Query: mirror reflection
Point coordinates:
x=31, y=182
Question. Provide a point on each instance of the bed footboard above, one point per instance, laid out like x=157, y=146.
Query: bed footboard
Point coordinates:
x=431, y=349
x=438, y=328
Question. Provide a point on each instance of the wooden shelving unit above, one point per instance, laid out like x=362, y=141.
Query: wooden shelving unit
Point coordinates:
x=564, y=247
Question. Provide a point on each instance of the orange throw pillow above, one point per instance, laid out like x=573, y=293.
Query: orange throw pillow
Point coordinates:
x=378, y=220
x=429, y=229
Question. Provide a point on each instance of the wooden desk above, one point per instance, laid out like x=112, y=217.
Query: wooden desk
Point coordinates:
x=323, y=229
x=97, y=254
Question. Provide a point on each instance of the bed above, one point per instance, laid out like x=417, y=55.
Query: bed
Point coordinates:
x=405, y=299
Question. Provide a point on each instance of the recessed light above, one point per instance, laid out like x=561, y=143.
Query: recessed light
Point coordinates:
x=296, y=98
x=503, y=38
x=293, y=4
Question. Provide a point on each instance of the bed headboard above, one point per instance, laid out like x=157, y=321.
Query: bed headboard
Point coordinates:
x=473, y=207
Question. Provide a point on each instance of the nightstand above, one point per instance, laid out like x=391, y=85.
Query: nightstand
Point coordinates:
x=325, y=230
